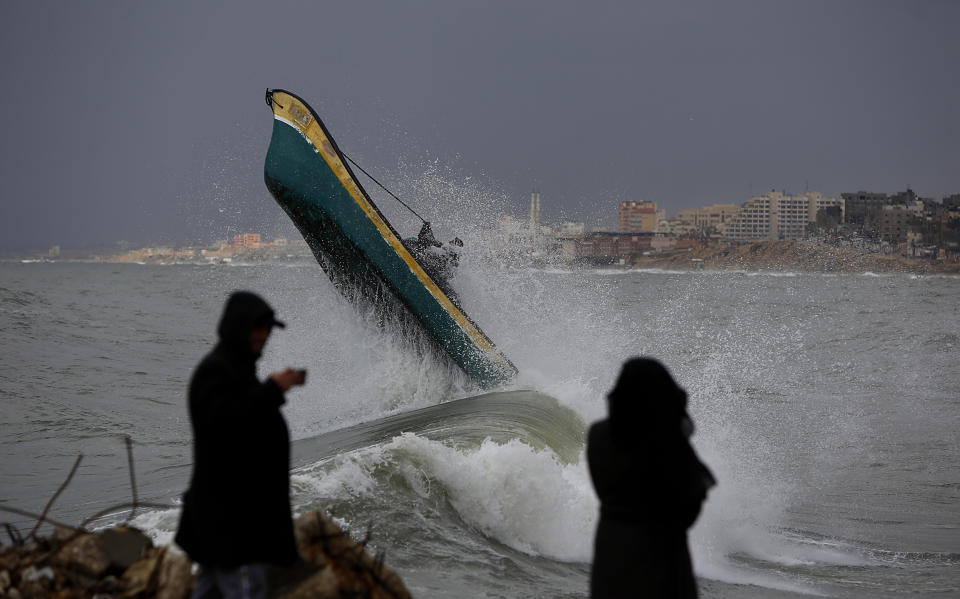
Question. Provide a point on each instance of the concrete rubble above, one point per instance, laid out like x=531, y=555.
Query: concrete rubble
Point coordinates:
x=122, y=562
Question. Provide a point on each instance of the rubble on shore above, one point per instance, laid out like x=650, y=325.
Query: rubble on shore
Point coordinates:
x=792, y=256
x=123, y=562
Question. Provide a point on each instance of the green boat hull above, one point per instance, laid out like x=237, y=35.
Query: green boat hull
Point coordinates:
x=364, y=256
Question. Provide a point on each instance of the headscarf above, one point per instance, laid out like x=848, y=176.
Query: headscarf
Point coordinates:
x=647, y=406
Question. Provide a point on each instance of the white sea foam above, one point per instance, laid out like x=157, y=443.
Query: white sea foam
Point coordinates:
x=522, y=497
x=734, y=575
x=771, y=273
x=159, y=525
x=352, y=478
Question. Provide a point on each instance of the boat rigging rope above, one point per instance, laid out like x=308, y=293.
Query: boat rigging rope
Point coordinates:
x=404, y=204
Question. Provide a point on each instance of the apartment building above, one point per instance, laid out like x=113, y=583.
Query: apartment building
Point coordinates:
x=247, y=240
x=776, y=215
x=638, y=217
x=896, y=221
x=862, y=207
x=713, y=217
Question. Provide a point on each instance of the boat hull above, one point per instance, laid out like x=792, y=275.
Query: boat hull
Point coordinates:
x=356, y=246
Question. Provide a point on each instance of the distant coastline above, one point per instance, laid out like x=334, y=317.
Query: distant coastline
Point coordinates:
x=792, y=256
x=761, y=256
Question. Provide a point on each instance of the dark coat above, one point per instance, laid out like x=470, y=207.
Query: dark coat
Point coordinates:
x=651, y=486
x=237, y=508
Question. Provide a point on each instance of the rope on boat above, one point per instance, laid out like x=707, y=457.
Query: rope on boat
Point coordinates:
x=404, y=204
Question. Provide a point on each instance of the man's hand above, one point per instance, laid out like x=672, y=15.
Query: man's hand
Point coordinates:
x=289, y=378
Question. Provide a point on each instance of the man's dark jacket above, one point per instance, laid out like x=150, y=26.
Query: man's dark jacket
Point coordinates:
x=237, y=508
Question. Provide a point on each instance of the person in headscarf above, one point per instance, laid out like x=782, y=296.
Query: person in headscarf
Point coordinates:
x=236, y=512
x=651, y=485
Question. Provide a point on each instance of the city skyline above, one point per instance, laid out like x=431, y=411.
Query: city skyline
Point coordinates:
x=612, y=221
x=146, y=122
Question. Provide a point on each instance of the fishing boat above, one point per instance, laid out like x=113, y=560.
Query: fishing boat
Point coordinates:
x=309, y=176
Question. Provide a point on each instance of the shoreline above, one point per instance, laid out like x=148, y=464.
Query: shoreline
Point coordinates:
x=793, y=256
x=762, y=257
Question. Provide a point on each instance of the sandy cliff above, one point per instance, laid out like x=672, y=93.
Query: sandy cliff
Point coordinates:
x=792, y=256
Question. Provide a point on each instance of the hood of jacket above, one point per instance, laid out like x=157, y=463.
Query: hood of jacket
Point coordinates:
x=243, y=311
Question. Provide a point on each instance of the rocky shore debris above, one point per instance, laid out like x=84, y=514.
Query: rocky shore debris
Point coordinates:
x=73, y=563
x=123, y=562
x=344, y=566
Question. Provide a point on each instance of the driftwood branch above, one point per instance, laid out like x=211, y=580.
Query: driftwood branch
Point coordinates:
x=133, y=480
x=63, y=486
x=13, y=533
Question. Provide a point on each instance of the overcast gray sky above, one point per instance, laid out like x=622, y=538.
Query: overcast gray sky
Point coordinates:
x=145, y=121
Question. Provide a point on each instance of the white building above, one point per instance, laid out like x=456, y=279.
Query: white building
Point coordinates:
x=775, y=215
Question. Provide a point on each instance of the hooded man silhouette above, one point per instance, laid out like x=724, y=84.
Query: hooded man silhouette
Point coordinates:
x=236, y=512
x=650, y=484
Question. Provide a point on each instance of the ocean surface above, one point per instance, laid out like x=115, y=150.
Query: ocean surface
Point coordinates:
x=827, y=406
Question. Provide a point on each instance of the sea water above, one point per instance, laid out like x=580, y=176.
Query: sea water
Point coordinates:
x=828, y=408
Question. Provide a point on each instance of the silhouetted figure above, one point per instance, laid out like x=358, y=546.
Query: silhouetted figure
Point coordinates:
x=650, y=484
x=236, y=512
